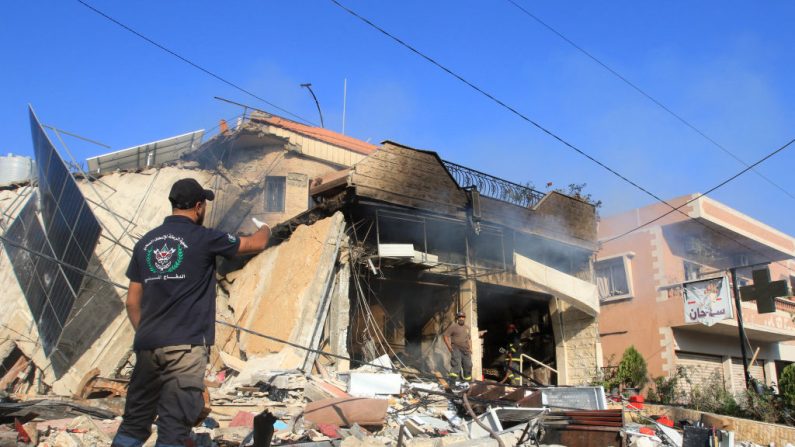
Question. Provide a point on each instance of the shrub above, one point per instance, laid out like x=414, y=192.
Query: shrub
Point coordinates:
x=712, y=397
x=607, y=376
x=786, y=385
x=666, y=389
x=632, y=371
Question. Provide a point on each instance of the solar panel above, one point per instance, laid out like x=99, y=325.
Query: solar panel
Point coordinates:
x=147, y=155
x=70, y=234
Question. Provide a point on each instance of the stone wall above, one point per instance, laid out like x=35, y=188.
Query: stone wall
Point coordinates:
x=577, y=345
x=745, y=429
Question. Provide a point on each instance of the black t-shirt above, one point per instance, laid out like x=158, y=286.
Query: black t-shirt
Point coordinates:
x=175, y=263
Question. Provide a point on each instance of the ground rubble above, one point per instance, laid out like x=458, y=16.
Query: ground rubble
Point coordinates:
x=364, y=407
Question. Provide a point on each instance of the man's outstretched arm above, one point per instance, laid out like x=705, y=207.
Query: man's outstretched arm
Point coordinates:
x=256, y=242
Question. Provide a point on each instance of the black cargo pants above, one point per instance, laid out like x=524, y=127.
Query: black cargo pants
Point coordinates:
x=166, y=383
x=460, y=359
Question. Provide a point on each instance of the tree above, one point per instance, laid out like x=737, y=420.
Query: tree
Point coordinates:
x=786, y=384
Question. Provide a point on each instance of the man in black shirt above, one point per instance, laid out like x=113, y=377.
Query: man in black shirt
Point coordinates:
x=171, y=305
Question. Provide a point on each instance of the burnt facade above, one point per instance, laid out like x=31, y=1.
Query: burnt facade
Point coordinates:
x=424, y=246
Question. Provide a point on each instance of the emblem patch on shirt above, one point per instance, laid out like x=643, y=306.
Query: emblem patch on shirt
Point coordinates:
x=164, y=254
x=231, y=237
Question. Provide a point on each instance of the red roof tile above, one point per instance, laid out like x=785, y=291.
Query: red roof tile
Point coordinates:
x=325, y=135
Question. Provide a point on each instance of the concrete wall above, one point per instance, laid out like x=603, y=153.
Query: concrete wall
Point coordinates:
x=577, y=346
x=744, y=429
x=284, y=292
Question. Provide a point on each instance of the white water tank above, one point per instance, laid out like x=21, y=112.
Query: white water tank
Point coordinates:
x=16, y=169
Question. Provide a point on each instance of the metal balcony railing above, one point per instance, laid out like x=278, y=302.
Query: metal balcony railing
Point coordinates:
x=494, y=187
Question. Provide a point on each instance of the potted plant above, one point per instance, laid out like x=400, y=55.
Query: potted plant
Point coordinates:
x=632, y=371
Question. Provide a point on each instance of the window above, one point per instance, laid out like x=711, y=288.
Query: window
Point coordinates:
x=611, y=278
x=692, y=271
x=274, y=194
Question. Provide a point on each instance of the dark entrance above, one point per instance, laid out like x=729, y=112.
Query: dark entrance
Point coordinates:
x=529, y=311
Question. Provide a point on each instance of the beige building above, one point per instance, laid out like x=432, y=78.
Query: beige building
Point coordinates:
x=641, y=276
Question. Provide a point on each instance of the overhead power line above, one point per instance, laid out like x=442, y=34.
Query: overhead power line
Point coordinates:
x=499, y=102
x=647, y=95
x=193, y=64
x=534, y=123
x=703, y=194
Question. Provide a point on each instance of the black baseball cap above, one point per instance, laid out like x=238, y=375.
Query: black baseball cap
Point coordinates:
x=187, y=192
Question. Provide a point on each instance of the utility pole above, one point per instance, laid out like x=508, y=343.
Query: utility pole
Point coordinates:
x=308, y=86
x=740, y=327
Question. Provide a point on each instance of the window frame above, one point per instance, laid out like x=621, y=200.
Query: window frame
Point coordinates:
x=269, y=179
x=626, y=262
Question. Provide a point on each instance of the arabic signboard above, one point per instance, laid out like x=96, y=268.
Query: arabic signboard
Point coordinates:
x=708, y=301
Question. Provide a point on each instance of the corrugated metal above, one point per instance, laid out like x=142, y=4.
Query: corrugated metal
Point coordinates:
x=702, y=370
x=16, y=169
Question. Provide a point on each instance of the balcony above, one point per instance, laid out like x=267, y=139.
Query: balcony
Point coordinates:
x=494, y=187
x=786, y=305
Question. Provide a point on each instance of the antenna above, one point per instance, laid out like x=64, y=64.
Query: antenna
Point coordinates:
x=344, y=102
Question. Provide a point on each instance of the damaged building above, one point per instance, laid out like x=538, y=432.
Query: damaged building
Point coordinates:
x=375, y=249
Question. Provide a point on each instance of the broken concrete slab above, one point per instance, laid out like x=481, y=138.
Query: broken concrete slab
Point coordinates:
x=305, y=267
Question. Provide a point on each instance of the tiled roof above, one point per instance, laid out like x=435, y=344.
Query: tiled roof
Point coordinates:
x=325, y=135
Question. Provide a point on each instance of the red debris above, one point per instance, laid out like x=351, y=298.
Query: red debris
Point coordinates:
x=329, y=430
x=242, y=419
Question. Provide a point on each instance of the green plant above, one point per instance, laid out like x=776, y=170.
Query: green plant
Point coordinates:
x=712, y=397
x=786, y=385
x=606, y=376
x=632, y=370
x=666, y=390
x=577, y=190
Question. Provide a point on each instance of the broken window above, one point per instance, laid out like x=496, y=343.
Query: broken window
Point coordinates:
x=692, y=271
x=487, y=248
x=274, y=194
x=611, y=278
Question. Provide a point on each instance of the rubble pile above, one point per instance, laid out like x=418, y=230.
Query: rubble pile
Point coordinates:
x=366, y=406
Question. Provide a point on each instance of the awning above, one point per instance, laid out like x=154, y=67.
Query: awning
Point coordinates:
x=570, y=289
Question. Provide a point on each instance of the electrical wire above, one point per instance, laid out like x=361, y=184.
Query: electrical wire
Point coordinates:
x=532, y=122
x=193, y=64
x=238, y=327
x=646, y=95
x=719, y=185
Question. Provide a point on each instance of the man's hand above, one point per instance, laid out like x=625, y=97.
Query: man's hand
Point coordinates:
x=134, y=294
x=256, y=242
x=447, y=343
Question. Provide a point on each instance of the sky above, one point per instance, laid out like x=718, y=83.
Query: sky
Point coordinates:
x=724, y=66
